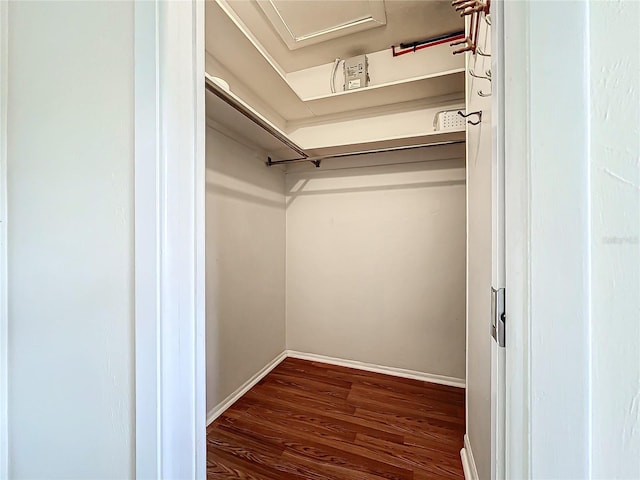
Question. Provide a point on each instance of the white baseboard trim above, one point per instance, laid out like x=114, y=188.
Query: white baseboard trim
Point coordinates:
x=468, y=463
x=219, y=409
x=370, y=367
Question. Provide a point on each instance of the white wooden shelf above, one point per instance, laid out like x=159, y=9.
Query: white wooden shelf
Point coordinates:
x=229, y=113
x=433, y=138
x=433, y=86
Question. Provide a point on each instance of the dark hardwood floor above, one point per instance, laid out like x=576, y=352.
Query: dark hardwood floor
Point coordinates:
x=312, y=421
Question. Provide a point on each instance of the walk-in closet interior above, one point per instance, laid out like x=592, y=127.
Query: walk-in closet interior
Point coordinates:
x=348, y=259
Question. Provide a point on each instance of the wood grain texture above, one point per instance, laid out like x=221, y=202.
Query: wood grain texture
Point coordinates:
x=314, y=421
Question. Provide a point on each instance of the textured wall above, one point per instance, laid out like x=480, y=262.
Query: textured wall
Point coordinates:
x=70, y=244
x=615, y=245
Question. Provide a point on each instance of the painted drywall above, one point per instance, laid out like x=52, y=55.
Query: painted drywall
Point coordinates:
x=70, y=240
x=376, y=260
x=479, y=266
x=615, y=230
x=245, y=264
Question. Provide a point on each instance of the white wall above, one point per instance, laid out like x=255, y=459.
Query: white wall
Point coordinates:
x=376, y=261
x=615, y=245
x=70, y=244
x=479, y=263
x=579, y=188
x=245, y=256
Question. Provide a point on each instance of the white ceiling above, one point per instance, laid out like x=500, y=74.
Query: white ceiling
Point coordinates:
x=304, y=18
x=407, y=21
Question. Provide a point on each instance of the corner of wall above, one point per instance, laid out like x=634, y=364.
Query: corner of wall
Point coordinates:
x=219, y=409
x=286, y=259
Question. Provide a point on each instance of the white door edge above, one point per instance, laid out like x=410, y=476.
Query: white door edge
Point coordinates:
x=517, y=235
x=4, y=312
x=169, y=240
x=498, y=357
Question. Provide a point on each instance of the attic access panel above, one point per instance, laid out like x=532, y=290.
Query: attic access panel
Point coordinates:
x=302, y=23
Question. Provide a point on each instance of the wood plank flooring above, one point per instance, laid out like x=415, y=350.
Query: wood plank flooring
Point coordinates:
x=313, y=421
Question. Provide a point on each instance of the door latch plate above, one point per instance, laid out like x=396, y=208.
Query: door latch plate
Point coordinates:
x=498, y=316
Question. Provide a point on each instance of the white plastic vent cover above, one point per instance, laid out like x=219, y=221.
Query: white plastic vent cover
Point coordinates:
x=302, y=23
x=449, y=120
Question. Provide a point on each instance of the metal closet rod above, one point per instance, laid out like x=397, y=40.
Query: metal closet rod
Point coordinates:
x=222, y=95
x=317, y=160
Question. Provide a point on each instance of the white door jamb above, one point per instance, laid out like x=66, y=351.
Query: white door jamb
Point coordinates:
x=547, y=101
x=517, y=234
x=169, y=240
x=4, y=312
x=498, y=354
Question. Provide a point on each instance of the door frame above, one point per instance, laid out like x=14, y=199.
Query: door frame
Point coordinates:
x=514, y=126
x=161, y=369
x=169, y=240
x=547, y=161
x=169, y=206
x=498, y=252
x=4, y=312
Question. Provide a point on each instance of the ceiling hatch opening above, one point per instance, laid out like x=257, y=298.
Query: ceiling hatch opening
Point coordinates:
x=301, y=23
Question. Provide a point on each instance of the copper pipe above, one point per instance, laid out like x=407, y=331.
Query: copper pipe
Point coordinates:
x=475, y=8
x=458, y=3
x=468, y=48
x=475, y=38
x=466, y=5
x=471, y=11
x=465, y=40
x=472, y=5
x=477, y=29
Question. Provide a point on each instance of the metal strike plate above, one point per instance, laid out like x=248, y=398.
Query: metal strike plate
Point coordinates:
x=498, y=316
